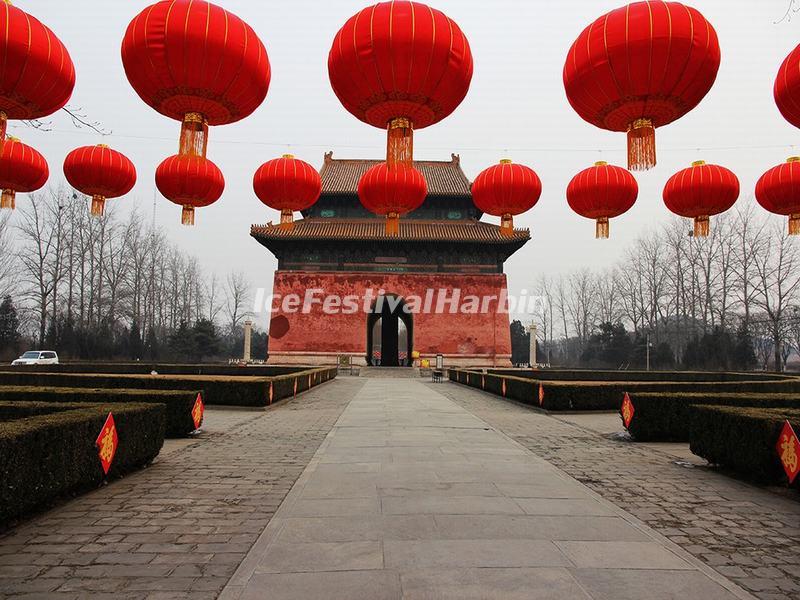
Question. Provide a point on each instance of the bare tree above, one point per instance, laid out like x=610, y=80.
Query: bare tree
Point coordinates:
x=238, y=292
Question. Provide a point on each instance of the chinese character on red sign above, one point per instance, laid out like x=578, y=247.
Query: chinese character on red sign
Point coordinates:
x=788, y=447
x=541, y=395
x=197, y=411
x=107, y=443
x=627, y=410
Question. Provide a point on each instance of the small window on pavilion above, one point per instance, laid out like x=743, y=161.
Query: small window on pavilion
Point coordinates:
x=454, y=215
x=327, y=213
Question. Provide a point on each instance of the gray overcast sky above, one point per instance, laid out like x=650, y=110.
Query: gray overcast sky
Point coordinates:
x=516, y=107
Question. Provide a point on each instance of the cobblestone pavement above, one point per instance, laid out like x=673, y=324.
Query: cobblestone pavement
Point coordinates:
x=749, y=534
x=180, y=528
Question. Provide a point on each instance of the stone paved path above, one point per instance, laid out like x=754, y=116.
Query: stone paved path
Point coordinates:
x=179, y=528
x=412, y=496
x=749, y=534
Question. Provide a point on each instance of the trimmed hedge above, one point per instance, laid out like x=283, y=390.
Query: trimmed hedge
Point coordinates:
x=217, y=390
x=666, y=417
x=605, y=395
x=49, y=450
x=742, y=439
x=145, y=368
x=179, y=403
x=664, y=376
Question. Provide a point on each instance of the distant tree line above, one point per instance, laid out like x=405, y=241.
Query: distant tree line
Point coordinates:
x=111, y=288
x=728, y=301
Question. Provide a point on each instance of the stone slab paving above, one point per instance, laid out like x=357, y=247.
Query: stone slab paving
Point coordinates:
x=747, y=533
x=179, y=528
x=412, y=496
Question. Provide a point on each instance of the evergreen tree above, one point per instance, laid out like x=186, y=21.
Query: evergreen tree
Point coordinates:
x=744, y=354
x=135, y=347
x=181, y=343
x=205, y=339
x=520, y=343
x=9, y=327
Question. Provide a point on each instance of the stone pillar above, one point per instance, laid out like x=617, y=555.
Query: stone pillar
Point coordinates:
x=248, y=326
x=532, y=359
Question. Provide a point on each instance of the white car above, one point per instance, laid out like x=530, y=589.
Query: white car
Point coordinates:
x=37, y=357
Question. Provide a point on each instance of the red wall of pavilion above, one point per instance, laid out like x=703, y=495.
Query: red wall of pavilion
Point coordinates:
x=463, y=338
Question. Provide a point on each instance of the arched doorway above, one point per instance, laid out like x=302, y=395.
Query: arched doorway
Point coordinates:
x=390, y=333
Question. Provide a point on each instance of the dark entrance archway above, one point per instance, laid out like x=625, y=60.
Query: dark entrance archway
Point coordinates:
x=390, y=333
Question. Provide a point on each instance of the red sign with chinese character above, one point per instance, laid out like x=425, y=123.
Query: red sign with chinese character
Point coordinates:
x=107, y=443
x=197, y=411
x=541, y=395
x=627, y=410
x=788, y=448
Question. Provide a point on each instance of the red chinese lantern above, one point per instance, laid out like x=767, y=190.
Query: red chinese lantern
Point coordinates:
x=22, y=169
x=287, y=184
x=197, y=63
x=392, y=192
x=99, y=172
x=506, y=190
x=787, y=88
x=602, y=192
x=36, y=72
x=639, y=67
x=778, y=191
x=399, y=66
x=190, y=181
x=700, y=192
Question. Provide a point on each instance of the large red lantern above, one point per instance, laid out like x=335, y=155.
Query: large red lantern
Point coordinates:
x=787, y=88
x=700, y=192
x=99, y=172
x=399, y=66
x=197, y=63
x=287, y=184
x=506, y=190
x=189, y=181
x=778, y=191
x=640, y=67
x=22, y=169
x=602, y=192
x=36, y=72
x=392, y=192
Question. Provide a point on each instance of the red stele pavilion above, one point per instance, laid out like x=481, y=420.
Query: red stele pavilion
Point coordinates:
x=443, y=251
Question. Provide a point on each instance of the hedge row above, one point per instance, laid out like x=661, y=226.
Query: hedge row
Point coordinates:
x=666, y=417
x=179, y=403
x=662, y=376
x=218, y=390
x=48, y=450
x=743, y=439
x=604, y=395
x=145, y=368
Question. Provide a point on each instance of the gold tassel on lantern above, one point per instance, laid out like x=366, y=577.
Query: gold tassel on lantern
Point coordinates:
x=794, y=224
x=507, y=225
x=194, y=135
x=8, y=200
x=98, y=206
x=187, y=216
x=400, y=142
x=641, y=145
x=287, y=218
x=601, y=227
x=393, y=224
x=702, y=225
